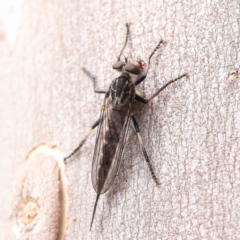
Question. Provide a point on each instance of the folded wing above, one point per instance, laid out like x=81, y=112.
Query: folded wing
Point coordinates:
x=111, y=136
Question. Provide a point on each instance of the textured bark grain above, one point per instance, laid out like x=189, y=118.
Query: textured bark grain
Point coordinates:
x=191, y=130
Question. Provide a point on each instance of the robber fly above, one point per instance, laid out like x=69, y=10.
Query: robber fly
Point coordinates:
x=116, y=115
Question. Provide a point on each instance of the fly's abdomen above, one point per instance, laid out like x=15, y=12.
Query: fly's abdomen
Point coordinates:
x=112, y=127
x=109, y=146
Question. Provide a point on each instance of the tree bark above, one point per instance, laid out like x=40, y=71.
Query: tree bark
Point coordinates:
x=191, y=131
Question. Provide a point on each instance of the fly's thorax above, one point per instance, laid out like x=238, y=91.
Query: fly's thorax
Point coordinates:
x=121, y=91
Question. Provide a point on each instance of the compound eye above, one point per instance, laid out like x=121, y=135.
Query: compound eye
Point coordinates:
x=117, y=65
x=131, y=68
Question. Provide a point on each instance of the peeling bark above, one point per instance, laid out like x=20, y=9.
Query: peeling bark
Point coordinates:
x=191, y=131
x=39, y=204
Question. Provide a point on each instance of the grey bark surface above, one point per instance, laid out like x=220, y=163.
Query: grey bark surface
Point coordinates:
x=191, y=131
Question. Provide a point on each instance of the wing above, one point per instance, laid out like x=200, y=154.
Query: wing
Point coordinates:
x=111, y=136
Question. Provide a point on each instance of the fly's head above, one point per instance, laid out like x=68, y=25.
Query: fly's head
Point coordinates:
x=122, y=89
x=134, y=69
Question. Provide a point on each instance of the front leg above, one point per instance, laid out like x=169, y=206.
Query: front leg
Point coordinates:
x=149, y=62
x=93, y=78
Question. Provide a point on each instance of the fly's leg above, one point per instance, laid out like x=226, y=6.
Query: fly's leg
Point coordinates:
x=77, y=149
x=93, y=78
x=83, y=141
x=143, y=100
x=149, y=61
x=136, y=127
x=126, y=40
